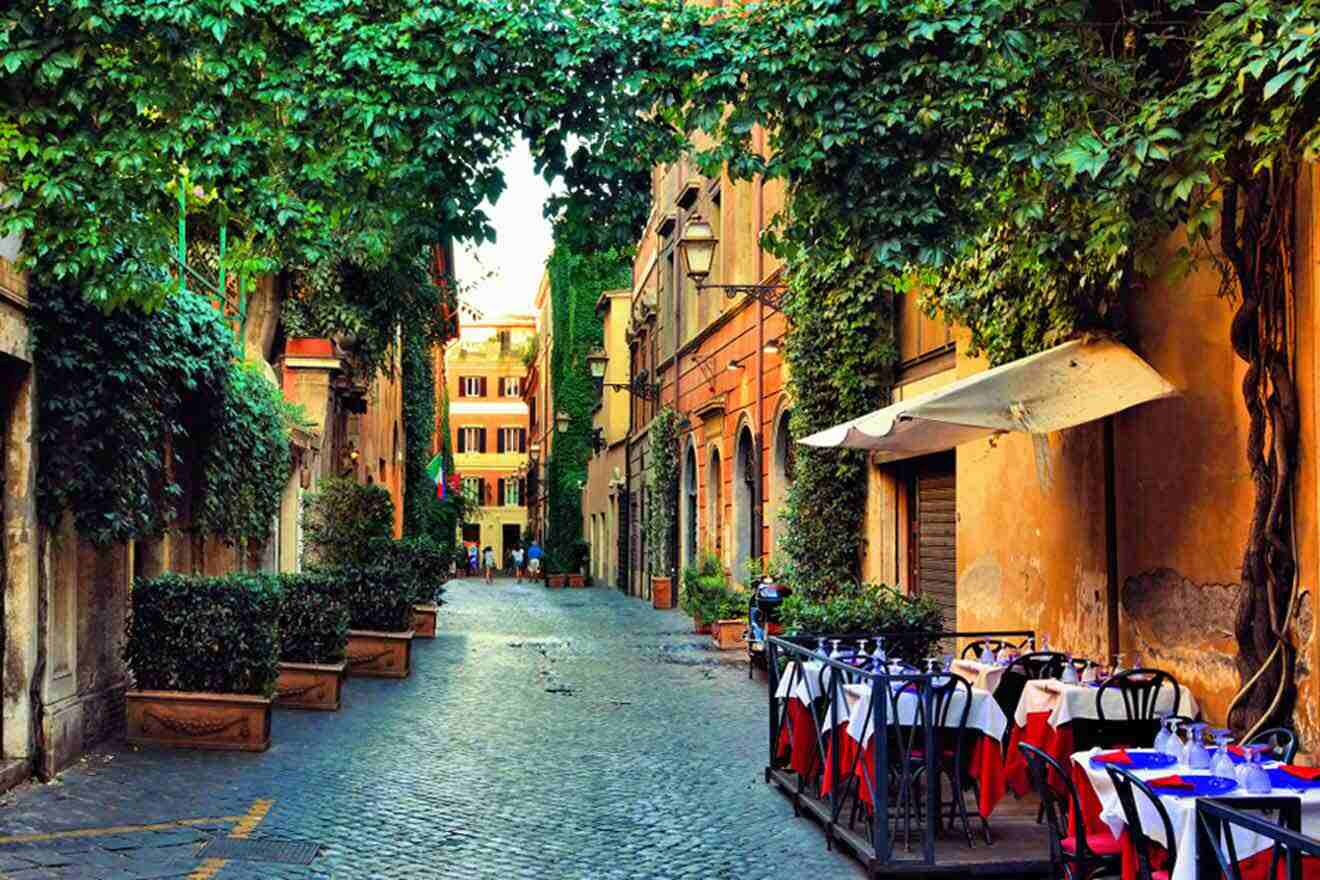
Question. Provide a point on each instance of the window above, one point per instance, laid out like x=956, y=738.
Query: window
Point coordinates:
x=511, y=492
x=472, y=489
x=512, y=386
x=471, y=439
x=512, y=440
x=471, y=386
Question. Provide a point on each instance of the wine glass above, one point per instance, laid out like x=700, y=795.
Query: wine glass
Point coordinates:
x=1118, y=665
x=1173, y=746
x=1044, y=642
x=1255, y=780
x=1195, y=754
x=1223, y=765
x=1162, y=737
x=987, y=656
x=878, y=653
x=834, y=650
x=1069, y=671
x=946, y=662
x=820, y=646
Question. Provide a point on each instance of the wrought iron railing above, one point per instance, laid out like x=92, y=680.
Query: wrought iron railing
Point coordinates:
x=877, y=809
x=1220, y=822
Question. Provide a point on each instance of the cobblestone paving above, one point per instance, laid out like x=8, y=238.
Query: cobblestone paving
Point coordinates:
x=557, y=734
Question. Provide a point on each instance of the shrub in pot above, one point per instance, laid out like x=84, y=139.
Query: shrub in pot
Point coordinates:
x=203, y=653
x=424, y=562
x=346, y=523
x=314, y=642
x=702, y=585
x=862, y=609
x=380, y=613
x=728, y=629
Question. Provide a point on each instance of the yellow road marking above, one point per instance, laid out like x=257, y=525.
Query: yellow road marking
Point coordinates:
x=116, y=829
x=246, y=825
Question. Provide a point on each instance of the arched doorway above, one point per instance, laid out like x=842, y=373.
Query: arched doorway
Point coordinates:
x=714, y=503
x=688, y=509
x=781, y=476
x=746, y=512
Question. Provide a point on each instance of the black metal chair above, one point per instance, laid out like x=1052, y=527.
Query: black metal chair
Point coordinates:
x=1127, y=784
x=1281, y=740
x=953, y=740
x=1073, y=856
x=1140, y=691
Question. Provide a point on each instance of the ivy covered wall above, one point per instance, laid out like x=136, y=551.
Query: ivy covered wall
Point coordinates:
x=577, y=277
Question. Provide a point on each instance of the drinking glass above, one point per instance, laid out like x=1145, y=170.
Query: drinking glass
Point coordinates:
x=1162, y=737
x=946, y=662
x=1173, y=746
x=1069, y=673
x=820, y=646
x=878, y=654
x=987, y=656
x=1118, y=664
x=1195, y=755
x=1044, y=642
x=834, y=651
x=1223, y=765
x=1255, y=780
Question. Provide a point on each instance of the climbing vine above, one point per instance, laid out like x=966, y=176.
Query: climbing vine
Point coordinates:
x=576, y=281
x=662, y=481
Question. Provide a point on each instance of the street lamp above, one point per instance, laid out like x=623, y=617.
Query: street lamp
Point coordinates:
x=598, y=360
x=534, y=452
x=698, y=247
x=561, y=421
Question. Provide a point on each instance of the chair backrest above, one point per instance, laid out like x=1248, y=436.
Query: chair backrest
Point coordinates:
x=1127, y=785
x=1039, y=664
x=1058, y=801
x=1281, y=740
x=1140, y=689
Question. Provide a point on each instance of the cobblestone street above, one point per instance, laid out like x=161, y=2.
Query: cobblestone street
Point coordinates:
x=561, y=734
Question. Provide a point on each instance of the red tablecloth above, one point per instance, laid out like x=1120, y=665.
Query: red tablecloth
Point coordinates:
x=985, y=765
x=797, y=740
x=1057, y=742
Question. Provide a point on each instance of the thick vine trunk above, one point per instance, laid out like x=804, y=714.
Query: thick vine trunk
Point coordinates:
x=1257, y=235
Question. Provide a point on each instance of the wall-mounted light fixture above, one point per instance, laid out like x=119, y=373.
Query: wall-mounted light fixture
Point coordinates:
x=772, y=346
x=734, y=365
x=698, y=247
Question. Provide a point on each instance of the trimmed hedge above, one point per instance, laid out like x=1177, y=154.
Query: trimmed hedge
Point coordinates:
x=210, y=634
x=313, y=620
x=378, y=597
x=422, y=562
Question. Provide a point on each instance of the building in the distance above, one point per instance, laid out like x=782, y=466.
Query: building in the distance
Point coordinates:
x=485, y=369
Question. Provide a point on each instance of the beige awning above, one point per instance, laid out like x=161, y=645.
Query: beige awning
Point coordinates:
x=1066, y=386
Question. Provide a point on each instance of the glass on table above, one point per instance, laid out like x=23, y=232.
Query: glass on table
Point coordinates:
x=946, y=662
x=820, y=646
x=1195, y=754
x=1254, y=777
x=1069, y=675
x=834, y=649
x=987, y=656
x=1118, y=664
x=1162, y=736
x=1173, y=746
x=1223, y=765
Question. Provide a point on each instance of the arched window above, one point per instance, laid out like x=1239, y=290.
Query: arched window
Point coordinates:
x=688, y=512
x=746, y=518
x=714, y=503
x=781, y=476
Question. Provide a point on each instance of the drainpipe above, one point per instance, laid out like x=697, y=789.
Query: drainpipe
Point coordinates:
x=760, y=370
x=1111, y=540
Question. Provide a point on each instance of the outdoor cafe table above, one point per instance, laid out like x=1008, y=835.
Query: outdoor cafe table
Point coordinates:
x=1049, y=707
x=985, y=676
x=984, y=760
x=1103, y=814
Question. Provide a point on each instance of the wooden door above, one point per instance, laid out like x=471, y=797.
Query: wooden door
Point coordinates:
x=933, y=556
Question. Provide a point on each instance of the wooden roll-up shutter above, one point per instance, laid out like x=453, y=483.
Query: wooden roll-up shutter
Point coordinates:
x=935, y=537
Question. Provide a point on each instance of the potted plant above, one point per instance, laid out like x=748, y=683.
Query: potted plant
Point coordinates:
x=866, y=608
x=658, y=519
x=380, y=614
x=702, y=584
x=556, y=581
x=581, y=553
x=423, y=561
x=313, y=643
x=729, y=628
x=203, y=654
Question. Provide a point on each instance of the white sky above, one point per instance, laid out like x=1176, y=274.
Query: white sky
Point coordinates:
x=501, y=277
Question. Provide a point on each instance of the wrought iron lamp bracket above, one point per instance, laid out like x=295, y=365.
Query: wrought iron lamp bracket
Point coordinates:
x=770, y=295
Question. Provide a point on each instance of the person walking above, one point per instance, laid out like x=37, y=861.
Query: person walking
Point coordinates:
x=534, y=554
x=518, y=556
x=488, y=559
x=473, y=562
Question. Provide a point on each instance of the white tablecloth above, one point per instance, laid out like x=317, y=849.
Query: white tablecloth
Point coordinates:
x=1067, y=702
x=985, y=676
x=984, y=715
x=1182, y=814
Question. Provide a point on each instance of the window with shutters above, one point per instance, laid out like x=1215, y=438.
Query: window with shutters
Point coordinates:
x=512, y=386
x=513, y=440
x=472, y=487
x=471, y=439
x=512, y=492
x=472, y=386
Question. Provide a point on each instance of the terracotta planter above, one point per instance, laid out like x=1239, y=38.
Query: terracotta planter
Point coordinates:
x=699, y=626
x=309, y=346
x=192, y=720
x=556, y=581
x=729, y=635
x=379, y=654
x=577, y=580
x=423, y=623
x=662, y=592
x=310, y=686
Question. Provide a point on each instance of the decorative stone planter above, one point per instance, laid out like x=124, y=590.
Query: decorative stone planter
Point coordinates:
x=662, y=592
x=424, y=620
x=556, y=581
x=577, y=580
x=379, y=654
x=310, y=686
x=193, y=720
x=728, y=635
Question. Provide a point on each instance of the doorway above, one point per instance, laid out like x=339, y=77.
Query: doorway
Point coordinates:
x=933, y=560
x=511, y=537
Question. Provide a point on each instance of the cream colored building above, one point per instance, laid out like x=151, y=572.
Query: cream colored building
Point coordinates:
x=604, y=497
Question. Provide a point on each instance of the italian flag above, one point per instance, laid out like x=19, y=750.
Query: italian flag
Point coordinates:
x=436, y=471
